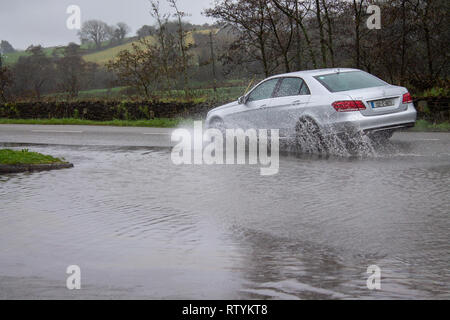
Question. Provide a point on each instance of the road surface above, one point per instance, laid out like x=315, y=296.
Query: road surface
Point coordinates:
x=139, y=226
x=428, y=142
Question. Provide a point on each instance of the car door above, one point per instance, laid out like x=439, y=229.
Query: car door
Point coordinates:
x=253, y=112
x=291, y=96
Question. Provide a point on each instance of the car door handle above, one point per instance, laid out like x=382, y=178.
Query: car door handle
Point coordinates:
x=297, y=102
x=264, y=106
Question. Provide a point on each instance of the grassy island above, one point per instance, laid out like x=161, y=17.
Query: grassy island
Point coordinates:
x=16, y=157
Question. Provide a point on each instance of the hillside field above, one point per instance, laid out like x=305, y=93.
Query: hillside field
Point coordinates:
x=100, y=57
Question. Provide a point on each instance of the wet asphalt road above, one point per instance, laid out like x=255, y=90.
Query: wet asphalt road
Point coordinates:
x=141, y=227
x=429, y=142
x=86, y=135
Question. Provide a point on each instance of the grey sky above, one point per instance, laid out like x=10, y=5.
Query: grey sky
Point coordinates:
x=25, y=22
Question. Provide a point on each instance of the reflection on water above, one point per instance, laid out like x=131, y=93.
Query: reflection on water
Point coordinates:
x=139, y=226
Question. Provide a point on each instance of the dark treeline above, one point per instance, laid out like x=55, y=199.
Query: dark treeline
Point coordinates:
x=410, y=48
x=38, y=73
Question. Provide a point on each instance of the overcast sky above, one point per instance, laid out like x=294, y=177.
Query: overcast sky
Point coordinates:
x=26, y=22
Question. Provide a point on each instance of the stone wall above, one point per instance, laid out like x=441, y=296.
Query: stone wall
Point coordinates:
x=102, y=110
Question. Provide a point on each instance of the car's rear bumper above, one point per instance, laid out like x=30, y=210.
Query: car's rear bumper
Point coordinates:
x=391, y=127
x=393, y=121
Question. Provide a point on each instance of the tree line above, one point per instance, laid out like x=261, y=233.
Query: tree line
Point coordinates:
x=272, y=36
x=38, y=73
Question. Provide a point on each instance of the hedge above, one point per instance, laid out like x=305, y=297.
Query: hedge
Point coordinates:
x=101, y=110
x=434, y=109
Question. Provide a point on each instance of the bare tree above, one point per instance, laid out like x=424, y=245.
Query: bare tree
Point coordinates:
x=6, y=81
x=183, y=46
x=283, y=32
x=165, y=39
x=96, y=31
x=358, y=15
x=323, y=49
x=145, y=31
x=122, y=29
x=33, y=72
x=326, y=8
x=143, y=67
x=6, y=47
x=71, y=69
x=249, y=18
x=292, y=9
x=432, y=20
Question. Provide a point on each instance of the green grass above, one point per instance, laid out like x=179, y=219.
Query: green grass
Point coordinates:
x=435, y=92
x=421, y=125
x=15, y=157
x=103, y=56
x=10, y=59
x=116, y=92
x=223, y=94
x=424, y=125
x=157, y=122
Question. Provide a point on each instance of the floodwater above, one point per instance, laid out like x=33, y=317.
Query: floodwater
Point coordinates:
x=139, y=226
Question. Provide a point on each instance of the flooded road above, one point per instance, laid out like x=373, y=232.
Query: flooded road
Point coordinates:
x=141, y=227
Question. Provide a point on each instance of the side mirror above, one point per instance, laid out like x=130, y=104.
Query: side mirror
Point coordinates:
x=242, y=100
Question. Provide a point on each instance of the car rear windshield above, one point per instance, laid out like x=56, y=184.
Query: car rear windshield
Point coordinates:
x=344, y=81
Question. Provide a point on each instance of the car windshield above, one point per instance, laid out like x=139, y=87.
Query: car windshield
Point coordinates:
x=344, y=81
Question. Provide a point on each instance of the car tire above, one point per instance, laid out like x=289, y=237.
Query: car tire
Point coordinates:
x=307, y=131
x=217, y=123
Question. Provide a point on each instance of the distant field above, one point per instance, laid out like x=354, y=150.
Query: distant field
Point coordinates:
x=12, y=58
x=101, y=57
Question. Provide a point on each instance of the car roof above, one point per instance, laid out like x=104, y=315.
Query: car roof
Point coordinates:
x=315, y=72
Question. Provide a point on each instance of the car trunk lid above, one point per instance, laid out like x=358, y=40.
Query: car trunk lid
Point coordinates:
x=380, y=100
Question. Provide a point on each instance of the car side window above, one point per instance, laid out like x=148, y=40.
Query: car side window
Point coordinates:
x=263, y=91
x=291, y=86
x=304, y=90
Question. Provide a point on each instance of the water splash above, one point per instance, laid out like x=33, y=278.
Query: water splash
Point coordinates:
x=349, y=144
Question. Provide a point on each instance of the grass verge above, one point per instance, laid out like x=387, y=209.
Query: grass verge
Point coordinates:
x=421, y=125
x=16, y=157
x=424, y=125
x=157, y=122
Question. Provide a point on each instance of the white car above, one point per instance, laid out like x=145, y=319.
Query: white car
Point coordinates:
x=320, y=101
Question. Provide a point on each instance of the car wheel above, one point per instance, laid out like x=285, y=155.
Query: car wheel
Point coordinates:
x=217, y=123
x=309, y=136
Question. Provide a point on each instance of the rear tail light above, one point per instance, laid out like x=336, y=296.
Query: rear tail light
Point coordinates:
x=348, y=105
x=407, y=98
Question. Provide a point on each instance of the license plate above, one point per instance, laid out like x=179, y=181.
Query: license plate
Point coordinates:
x=382, y=103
